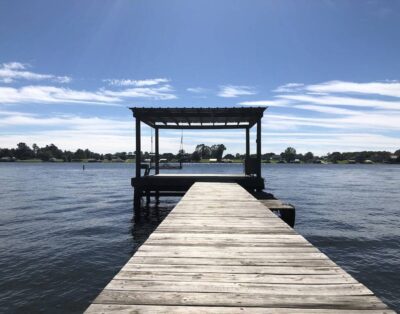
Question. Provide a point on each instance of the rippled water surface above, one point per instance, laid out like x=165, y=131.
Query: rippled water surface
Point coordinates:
x=66, y=232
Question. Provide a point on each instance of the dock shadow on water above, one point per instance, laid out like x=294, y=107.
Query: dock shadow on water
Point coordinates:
x=152, y=215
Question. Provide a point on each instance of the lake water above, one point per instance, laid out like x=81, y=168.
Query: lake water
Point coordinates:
x=66, y=232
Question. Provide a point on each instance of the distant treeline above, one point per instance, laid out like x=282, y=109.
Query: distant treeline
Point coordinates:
x=290, y=155
x=202, y=152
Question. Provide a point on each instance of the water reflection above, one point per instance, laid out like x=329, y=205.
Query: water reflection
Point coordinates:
x=152, y=214
x=65, y=233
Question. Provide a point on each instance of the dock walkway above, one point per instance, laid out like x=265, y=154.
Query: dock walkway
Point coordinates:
x=220, y=250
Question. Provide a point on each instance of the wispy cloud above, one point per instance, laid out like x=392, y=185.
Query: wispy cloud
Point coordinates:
x=197, y=90
x=326, y=109
x=326, y=116
x=164, y=92
x=71, y=132
x=13, y=71
x=274, y=103
x=74, y=131
x=343, y=101
x=117, y=93
x=289, y=88
x=65, y=121
x=231, y=91
x=53, y=94
x=377, y=121
x=372, y=88
x=137, y=83
x=385, y=88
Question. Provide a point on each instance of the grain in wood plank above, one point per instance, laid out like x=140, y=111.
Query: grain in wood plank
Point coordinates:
x=162, y=309
x=277, y=270
x=238, y=299
x=249, y=278
x=243, y=287
x=199, y=248
x=231, y=261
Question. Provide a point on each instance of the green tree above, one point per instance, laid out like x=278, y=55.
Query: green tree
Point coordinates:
x=45, y=155
x=79, y=154
x=204, y=151
x=121, y=155
x=217, y=151
x=167, y=156
x=108, y=157
x=238, y=156
x=68, y=156
x=23, y=151
x=335, y=157
x=55, y=151
x=181, y=154
x=308, y=157
x=195, y=156
x=35, y=149
x=289, y=154
x=5, y=152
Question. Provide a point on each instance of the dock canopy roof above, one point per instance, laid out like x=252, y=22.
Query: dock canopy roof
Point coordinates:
x=199, y=118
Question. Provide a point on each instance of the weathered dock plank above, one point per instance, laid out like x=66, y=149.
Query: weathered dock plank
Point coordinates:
x=162, y=309
x=222, y=251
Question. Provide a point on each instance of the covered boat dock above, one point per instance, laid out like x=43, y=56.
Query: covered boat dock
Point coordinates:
x=195, y=119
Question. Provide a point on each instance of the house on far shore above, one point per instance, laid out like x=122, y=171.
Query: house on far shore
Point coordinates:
x=212, y=160
x=275, y=158
x=393, y=159
x=7, y=159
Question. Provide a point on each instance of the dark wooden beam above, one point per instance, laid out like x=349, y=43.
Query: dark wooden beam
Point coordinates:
x=173, y=119
x=259, y=148
x=157, y=153
x=149, y=123
x=138, y=149
x=201, y=127
x=247, y=142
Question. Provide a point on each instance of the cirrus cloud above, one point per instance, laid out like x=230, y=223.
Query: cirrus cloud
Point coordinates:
x=13, y=71
x=232, y=91
x=137, y=83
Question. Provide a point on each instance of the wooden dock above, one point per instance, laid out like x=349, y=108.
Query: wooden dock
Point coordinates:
x=220, y=250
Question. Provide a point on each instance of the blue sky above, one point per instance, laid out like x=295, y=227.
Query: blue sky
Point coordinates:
x=328, y=70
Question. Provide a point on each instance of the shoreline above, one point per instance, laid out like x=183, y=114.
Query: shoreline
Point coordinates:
x=130, y=161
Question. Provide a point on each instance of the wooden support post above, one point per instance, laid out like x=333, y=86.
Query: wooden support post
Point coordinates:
x=137, y=200
x=247, y=142
x=138, y=156
x=157, y=152
x=259, y=148
x=288, y=216
x=147, y=198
